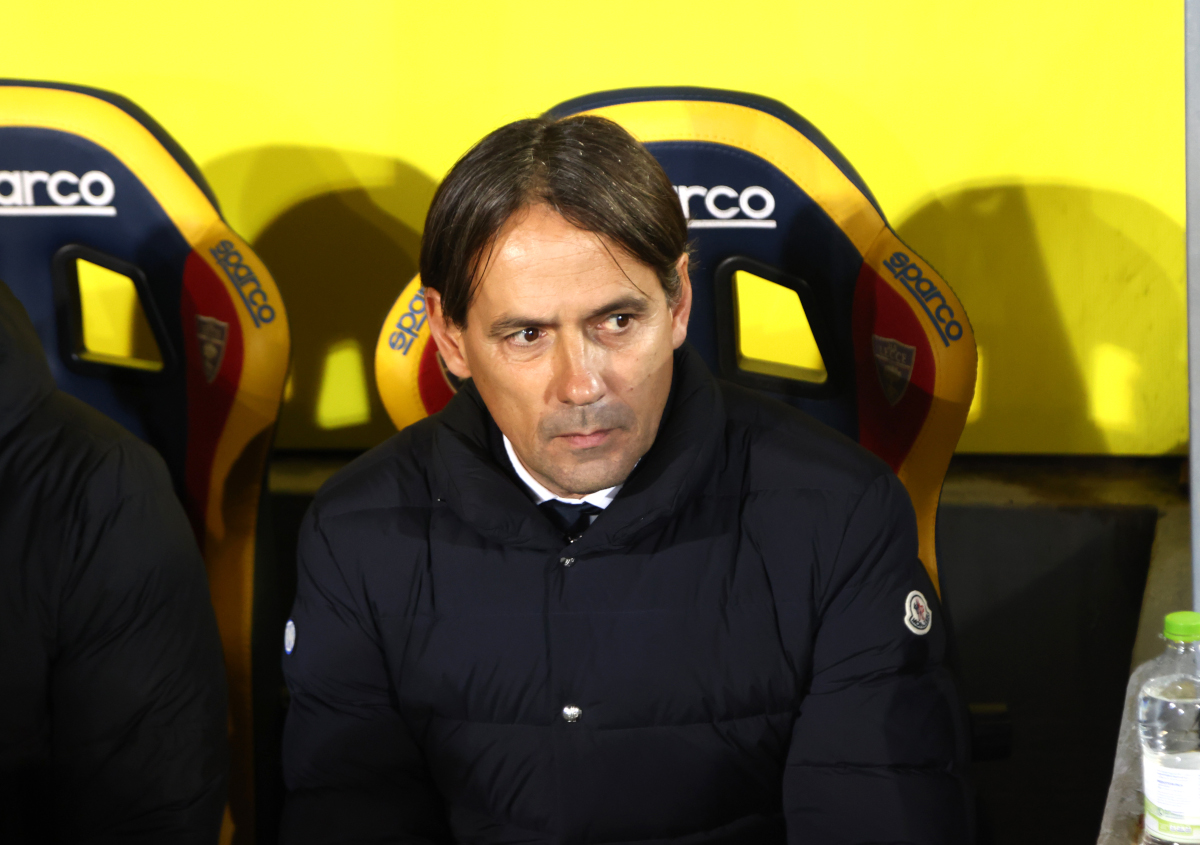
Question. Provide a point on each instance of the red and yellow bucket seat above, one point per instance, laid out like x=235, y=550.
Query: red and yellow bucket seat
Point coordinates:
x=157, y=314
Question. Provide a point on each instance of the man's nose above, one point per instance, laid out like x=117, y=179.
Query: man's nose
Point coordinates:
x=579, y=379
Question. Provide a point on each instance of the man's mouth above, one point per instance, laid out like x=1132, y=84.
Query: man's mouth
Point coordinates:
x=587, y=440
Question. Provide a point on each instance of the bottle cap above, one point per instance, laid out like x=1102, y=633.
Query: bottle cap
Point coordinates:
x=1182, y=626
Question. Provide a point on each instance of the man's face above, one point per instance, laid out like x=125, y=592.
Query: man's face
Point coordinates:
x=569, y=341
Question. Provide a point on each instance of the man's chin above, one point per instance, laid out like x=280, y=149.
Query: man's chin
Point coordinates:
x=587, y=473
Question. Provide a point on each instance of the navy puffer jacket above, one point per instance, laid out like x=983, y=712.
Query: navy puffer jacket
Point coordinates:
x=736, y=638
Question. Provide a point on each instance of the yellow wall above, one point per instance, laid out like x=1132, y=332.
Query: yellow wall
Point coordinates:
x=1032, y=151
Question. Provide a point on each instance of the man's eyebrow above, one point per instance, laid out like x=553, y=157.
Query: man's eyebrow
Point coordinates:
x=505, y=326
x=628, y=303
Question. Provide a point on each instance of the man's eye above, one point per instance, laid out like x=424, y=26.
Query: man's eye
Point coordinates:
x=527, y=336
x=620, y=321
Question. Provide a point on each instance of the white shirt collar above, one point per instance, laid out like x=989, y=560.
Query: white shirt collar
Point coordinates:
x=601, y=498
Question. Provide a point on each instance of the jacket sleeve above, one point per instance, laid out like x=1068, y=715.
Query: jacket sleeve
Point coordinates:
x=879, y=747
x=137, y=684
x=353, y=770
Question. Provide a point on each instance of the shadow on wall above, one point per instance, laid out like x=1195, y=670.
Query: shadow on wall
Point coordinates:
x=341, y=234
x=1078, y=302
x=1077, y=298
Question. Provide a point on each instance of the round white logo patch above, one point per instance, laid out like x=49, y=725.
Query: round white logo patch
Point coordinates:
x=289, y=636
x=917, y=614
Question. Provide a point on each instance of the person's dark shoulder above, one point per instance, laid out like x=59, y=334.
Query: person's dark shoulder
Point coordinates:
x=95, y=504
x=392, y=475
x=89, y=455
x=788, y=450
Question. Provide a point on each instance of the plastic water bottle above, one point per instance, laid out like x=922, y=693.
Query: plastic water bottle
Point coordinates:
x=1169, y=727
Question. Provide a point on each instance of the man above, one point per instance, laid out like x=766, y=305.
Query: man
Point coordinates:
x=602, y=597
x=112, y=684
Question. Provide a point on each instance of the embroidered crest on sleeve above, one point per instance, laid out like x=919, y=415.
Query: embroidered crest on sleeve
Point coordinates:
x=917, y=614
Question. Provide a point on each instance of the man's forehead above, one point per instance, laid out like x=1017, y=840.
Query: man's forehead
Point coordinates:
x=552, y=254
x=540, y=236
x=540, y=256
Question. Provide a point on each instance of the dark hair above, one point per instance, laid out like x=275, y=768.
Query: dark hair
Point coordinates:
x=587, y=169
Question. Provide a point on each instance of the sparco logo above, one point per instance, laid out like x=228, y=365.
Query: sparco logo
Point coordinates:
x=408, y=327
x=927, y=294
x=755, y=203
x=36, y=193
x=247, y=284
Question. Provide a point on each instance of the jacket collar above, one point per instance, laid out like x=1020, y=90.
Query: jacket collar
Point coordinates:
x=472, y=474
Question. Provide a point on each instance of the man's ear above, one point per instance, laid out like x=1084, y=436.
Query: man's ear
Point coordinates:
x=447, y=335
x=681, y=311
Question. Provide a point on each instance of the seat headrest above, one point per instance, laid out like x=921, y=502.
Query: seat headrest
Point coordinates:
x=766, y=193
x=87, y=179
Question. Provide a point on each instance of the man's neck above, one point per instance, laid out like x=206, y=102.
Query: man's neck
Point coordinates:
x=540, y=493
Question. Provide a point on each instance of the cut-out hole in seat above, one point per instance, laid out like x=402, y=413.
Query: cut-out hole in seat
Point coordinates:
x=342, y=398
x=774, y=337
x=115, y=328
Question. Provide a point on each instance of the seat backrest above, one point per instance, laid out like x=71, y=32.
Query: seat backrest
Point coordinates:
x=783, y=229
x=154, y=312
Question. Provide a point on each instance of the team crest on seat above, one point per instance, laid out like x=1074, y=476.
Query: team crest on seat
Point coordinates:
x=894, y=365
x=211, y=334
